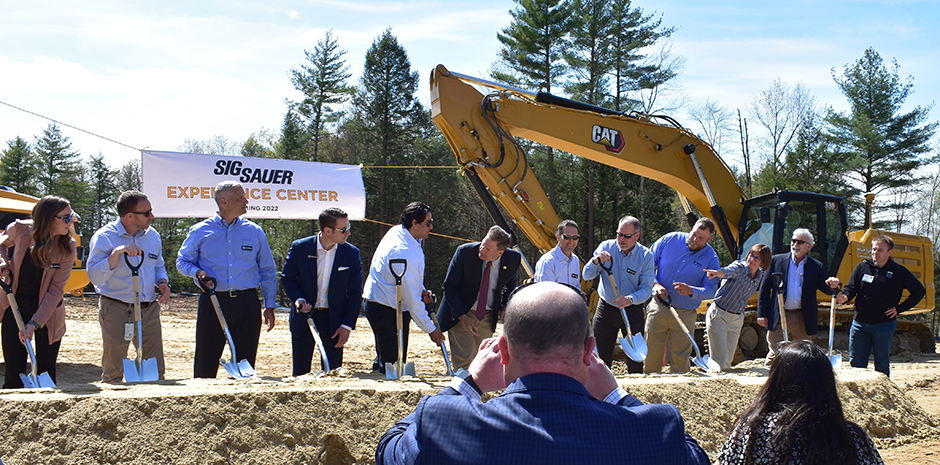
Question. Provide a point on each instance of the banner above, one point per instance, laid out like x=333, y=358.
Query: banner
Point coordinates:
x=182, y=185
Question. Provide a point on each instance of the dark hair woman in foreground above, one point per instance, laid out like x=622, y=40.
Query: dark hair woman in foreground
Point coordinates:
x=797, y=417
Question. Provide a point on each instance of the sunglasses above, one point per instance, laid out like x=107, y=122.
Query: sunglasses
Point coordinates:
x=798, y=241
x=568, y=237
x=625, y=236
x=429, y=222
x=146, y=213
x=68, y=218
x=343, y=230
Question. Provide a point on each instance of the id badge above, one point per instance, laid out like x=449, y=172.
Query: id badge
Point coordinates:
x=867, y=278
x=128, y=331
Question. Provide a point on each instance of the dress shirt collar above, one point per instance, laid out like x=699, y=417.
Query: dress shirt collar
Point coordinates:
x=218, y=218
x=320, y=246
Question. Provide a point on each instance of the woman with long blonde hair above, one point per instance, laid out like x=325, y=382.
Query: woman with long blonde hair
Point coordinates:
x=37, y=254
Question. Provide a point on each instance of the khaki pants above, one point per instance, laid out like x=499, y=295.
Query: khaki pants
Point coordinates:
x=662, y=332
x=463, y=345
x=113, y=315
x=796, y=331
x=723, y=329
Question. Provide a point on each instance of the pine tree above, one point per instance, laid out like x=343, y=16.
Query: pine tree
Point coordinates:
x=323, y=83
x=57, y=163
x=883, y=146
x=17, y=168
x=631, y=33
x=104, y=192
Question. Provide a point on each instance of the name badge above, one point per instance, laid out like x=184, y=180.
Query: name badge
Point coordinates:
x=152, y=256
x=630, y=271
x=889, y=274
x=867, y=278
x=55, y=266
x=246, y=247
x=574, y=275
x=312, y=257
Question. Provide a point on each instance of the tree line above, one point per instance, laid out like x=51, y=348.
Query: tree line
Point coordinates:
x=606, y=53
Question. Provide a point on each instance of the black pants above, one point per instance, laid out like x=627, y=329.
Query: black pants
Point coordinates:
x=243, y=316
x=608, y=323
x=14, y=352
x=303, y=343
x=385, y=329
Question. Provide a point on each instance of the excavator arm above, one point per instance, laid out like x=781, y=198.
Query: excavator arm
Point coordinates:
x=481, y=130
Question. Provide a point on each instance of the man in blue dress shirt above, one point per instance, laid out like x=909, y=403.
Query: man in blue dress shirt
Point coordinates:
x=236, y=252
x=681, y=260
x=561, y=404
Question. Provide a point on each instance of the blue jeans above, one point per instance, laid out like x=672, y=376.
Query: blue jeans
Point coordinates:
x=865, y=337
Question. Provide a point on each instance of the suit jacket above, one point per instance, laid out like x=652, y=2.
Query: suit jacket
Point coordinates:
x=462, y=283
x=345, y=291
x=814, y=277
x=51, y=311
x=540, y=419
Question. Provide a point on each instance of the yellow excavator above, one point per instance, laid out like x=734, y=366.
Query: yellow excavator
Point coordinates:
x=481, y=130
x=17, y=206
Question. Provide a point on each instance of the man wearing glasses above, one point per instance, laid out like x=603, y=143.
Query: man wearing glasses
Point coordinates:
x=561, y=265
x=129, y=235
x=802, y=275
x=401, y=242
x=323, y=279
x=634, y=272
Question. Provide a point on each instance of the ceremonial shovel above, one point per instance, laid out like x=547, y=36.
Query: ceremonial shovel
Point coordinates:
x=242, y=369
x=702, y=361
x=633, y=344
x=778, y=279
x=136, y=370
x=834, y=359
x=397, y=370
x=450, y=370
x=31, y=380
x=319, y=341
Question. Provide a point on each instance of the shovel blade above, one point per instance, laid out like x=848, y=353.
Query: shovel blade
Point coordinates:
x=245, y=368
x=635, y=347
x=836, y=361
x=42, y=380
x=706, y=363
x=392, y=372
x=147, y=371
x=234, y=370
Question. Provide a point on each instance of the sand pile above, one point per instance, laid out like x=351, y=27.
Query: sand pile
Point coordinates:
x=338, y=420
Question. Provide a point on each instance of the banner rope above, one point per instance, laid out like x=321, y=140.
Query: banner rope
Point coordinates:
x=433, y=233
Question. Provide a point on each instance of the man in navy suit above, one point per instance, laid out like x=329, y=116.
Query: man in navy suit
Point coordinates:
x=323, y=279
x=802, y=275
x=465, y=291
x=561, y=403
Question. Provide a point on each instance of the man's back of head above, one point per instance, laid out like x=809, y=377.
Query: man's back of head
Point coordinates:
x=546, y=326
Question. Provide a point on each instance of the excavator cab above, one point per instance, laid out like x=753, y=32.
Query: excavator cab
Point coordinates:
x=771, y=219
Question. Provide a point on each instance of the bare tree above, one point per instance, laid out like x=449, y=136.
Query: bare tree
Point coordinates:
x=781, y=110
x=659, y=92
x=714, y=121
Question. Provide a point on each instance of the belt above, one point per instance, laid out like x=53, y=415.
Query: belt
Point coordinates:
x=792, y=309
x=233, y=293
x=321, y=308
x=142, y=304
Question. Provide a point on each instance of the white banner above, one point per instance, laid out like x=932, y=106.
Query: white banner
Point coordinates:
x=182, y=185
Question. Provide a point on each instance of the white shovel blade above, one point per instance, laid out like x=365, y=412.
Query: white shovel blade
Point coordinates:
x=634, y=347
x=836, y=361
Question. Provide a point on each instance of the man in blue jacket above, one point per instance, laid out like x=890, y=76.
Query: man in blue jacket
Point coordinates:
x=323, y=279
x=561, y=403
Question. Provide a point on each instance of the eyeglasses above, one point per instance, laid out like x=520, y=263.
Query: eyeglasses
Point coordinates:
x=343, y=230
x=798, y=241
x=146, y=213
x=68, y=218
x=568, y=237
x=429, y=222
x=625, y=236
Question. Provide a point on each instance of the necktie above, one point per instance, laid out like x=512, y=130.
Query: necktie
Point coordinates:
x=484, y=289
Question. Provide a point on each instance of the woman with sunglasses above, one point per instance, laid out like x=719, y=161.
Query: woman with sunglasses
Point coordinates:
x=725, y=316
x=797, y=417
x=37, y=255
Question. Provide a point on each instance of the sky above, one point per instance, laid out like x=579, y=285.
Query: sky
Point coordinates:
x=155, y=74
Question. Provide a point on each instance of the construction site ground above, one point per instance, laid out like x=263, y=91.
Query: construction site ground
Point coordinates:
x=338, y=419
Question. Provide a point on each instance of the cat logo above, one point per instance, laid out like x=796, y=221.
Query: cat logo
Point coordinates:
x=609, y=138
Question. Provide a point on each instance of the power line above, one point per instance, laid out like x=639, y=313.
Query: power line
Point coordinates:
x=70, y=126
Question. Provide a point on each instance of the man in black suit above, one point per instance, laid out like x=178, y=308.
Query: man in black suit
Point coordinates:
x=476, y=303
x=323, y=278
x=802, y=276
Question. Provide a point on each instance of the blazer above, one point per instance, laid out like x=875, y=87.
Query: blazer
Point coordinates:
x=345, y=292
x=462, y=283
x=51, y=311
x=814, y=277
x=540, y=419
